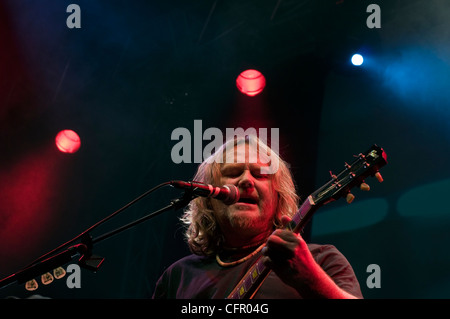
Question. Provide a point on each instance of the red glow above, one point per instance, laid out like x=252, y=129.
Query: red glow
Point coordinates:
x=29, y=204
x=251, y=82
x=68, y=141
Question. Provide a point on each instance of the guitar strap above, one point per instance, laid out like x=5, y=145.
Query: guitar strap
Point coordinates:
x=257, y=273
x=365, y=165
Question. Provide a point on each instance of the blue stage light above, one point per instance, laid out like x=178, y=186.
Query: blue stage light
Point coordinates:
x=357, y=59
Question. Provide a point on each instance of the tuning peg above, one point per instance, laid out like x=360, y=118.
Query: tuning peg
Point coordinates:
x=379, y=177
x=31, y=285
x=47, y=278
x=59, y=272
x=332, y=175
x=364, y=187
x=350, y=197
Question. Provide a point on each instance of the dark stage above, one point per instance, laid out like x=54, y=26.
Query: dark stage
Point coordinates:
x=125, y=75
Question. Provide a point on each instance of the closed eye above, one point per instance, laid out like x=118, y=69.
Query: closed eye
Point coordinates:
x=232, y=171
x=257, y=174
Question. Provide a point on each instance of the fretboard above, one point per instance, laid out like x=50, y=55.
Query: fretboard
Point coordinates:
x=258, y=272
x=365, y=165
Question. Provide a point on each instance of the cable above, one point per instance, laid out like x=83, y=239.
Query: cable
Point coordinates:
x=84, y=233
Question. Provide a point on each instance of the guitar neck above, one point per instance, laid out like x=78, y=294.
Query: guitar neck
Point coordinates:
x=365, y=165
x=256, y=275
x=303, y=215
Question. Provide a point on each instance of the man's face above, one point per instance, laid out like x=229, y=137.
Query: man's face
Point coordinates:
x=256, y=208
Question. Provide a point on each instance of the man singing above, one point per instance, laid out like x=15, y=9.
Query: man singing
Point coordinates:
x=226, y=240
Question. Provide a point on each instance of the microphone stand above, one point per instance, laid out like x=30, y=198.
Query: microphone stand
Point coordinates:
x=52, y=260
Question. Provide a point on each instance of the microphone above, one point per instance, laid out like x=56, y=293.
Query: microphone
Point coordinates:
x=228, y=194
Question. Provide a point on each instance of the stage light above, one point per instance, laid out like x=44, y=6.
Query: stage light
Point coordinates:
x=357, y=59
x=251, y=82
x=67, y=141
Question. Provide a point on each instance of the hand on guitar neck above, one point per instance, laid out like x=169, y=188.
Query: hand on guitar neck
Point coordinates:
x=288, y=255
x=288, y=266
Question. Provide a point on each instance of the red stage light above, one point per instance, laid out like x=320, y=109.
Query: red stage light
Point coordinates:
x=68, y=141
x=251, y=82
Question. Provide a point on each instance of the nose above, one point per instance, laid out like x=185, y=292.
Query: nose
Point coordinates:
x=246, y=180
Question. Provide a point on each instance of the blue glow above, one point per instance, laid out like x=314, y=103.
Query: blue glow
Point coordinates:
x=349, y=217
x=429, y=200
x=357, y=59
x=420, y=77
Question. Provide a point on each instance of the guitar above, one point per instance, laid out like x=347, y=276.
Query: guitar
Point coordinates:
x=367, y=164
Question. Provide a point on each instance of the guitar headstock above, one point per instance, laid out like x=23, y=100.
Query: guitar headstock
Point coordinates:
x=366, y=164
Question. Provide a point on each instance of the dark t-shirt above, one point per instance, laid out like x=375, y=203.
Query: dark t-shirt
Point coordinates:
x=202, y=277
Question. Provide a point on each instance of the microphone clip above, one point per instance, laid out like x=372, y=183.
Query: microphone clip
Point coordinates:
x=181, y=202
x=88, y=260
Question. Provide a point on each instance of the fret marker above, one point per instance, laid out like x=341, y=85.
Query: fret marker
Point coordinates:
x=254, y=274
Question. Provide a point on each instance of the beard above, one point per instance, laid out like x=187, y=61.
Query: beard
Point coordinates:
x=241, y=219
